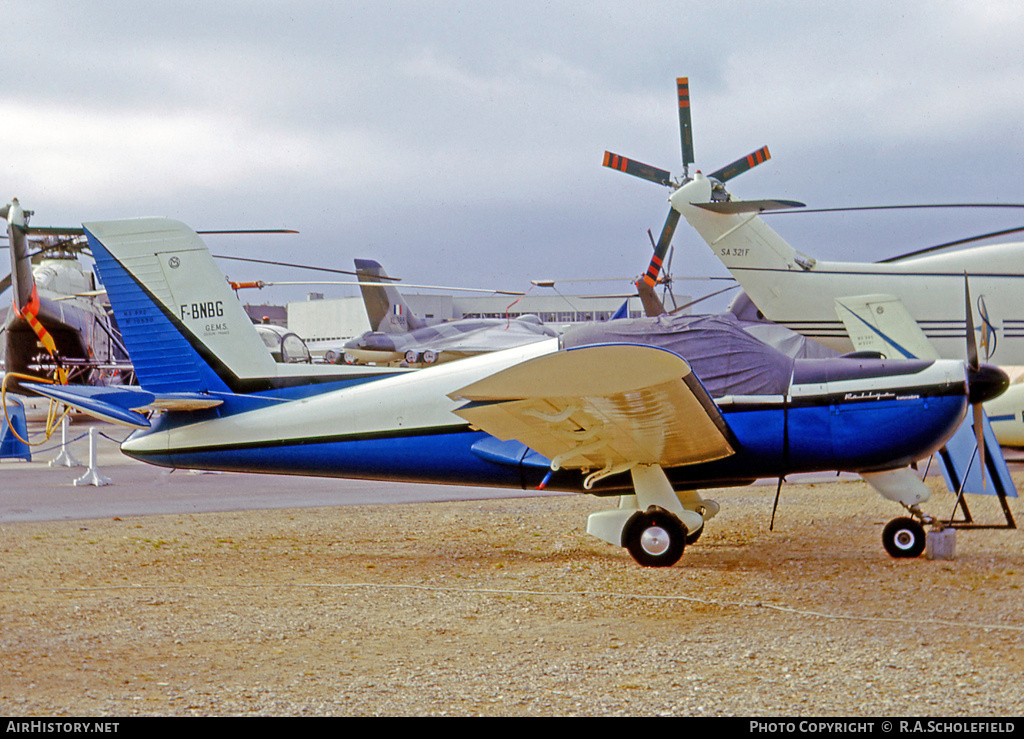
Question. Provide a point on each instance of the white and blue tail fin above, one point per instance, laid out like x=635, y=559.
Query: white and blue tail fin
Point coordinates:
x=183, y=327
x=385, y=306
x=882, y=323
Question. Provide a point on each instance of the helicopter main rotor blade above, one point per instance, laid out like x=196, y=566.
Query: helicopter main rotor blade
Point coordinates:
x=252, y=231
x=742, y=165
x=261, y=284
x=637, y=169
x=958, y=242
x=301, y=266
x=79, y=231
x=913, y=206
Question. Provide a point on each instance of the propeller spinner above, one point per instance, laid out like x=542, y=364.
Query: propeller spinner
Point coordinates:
x=663, y=177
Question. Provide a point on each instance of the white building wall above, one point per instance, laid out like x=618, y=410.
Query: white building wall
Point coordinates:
x=343, y=318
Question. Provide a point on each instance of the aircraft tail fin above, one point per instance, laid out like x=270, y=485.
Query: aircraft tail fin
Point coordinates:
x=653, y=307
x=882, y=323
x=738, y=236
x=385, y=306
x=183, y=327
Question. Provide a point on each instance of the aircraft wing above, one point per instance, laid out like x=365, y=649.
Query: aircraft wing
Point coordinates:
x=601, y=407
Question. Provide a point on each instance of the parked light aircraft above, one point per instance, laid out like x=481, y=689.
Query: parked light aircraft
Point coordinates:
x=57, y=325
x=574, y=414
x=397, y=334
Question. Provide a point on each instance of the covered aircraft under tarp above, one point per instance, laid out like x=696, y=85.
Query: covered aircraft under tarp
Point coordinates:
x=731, y=356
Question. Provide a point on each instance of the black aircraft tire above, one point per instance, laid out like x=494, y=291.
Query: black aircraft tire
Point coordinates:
x=692, y=538
x=655, y=537
x=903, y=538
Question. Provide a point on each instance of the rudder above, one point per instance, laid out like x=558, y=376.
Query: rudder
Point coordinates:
x=184, y=329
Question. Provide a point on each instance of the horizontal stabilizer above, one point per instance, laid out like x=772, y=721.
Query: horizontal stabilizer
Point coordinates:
x=121, y=405
x=602, y=406
x=732, y=207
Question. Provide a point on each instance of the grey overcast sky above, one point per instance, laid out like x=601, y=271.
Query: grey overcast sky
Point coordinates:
x=461, y=142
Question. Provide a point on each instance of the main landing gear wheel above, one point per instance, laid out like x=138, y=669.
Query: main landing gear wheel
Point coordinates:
x=655, y=537
x=903, y=538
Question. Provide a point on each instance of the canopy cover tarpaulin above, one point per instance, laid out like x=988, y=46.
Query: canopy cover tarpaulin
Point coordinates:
x=730, y=356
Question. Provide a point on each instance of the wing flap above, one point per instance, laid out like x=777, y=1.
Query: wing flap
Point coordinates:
x=602, y=406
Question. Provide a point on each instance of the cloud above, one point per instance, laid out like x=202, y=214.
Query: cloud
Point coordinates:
x=436, y=128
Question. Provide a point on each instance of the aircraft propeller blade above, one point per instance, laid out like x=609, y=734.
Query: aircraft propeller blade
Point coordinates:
x=637, y=169
x=685, y=125
x=984, y=381
x=742, y=165
x=974, y=365
x=972, y=342
x=979, y=436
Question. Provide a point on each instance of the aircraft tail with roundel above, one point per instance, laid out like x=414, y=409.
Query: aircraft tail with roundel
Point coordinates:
x=385, y=307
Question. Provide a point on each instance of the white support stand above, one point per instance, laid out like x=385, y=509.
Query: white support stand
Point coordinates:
x=65, y=458
x=92, y=475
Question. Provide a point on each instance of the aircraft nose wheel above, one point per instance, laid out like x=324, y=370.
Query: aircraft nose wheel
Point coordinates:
x=655, y=537
x=903, y=538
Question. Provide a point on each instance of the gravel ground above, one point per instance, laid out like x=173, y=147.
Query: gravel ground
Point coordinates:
x=507, y=607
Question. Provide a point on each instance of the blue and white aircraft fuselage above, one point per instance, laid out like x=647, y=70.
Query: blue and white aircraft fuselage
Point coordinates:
x=552, y=414
x=845, y=414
